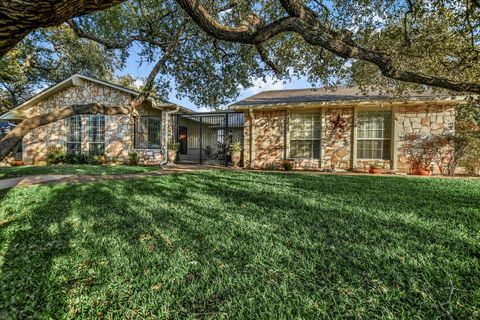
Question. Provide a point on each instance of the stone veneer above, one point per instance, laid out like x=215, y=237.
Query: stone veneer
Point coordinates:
x=118, y=128
x=435, y=120
x=271, y=138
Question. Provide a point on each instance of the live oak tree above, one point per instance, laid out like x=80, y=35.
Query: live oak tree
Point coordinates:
x=368, y=43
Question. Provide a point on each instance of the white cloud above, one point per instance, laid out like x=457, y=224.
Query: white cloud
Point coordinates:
x=138, y=83
x=260, y=85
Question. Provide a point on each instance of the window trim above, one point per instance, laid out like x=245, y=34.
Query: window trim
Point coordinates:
x=135, y=142
x=89, y=130
x=388, y=121
x=319, y=140
x=67, y=136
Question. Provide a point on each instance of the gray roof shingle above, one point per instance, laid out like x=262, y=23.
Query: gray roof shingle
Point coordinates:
x=340, y=94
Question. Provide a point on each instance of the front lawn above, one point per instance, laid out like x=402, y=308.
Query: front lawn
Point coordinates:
x=12, y=172
x=223, y=244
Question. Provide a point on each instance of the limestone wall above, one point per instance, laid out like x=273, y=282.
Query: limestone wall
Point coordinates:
x=271, y=142
x=433, y=121
x=118, y=128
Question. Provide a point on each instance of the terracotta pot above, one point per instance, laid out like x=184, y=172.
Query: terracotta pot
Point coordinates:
x=376, y=170
x=421, y=172
x=17, y=163
x=172, y=155
x=235, y=159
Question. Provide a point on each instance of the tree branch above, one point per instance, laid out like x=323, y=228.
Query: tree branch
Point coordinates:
x=305, y=22
x=265, y=58
x=19, y=17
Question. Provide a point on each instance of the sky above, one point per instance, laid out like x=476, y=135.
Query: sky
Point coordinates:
x=134, y=68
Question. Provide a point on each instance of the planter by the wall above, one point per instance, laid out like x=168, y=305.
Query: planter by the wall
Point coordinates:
x=235, y=159
x=172, y=155
x=375, y=170
x=17, y=163
x=421, y=172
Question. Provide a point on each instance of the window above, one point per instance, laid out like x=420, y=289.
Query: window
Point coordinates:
x=305, y=133
x=147, y=132
x=96, y=134
x=373, y=135
x=74, y=134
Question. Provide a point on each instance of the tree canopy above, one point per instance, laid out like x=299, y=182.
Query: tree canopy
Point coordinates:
x=209, y=50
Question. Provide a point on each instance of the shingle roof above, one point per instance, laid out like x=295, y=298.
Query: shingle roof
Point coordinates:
x=340, y=94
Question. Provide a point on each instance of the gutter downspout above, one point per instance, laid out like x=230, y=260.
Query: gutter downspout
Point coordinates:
x=165, y=146
x=252, y=120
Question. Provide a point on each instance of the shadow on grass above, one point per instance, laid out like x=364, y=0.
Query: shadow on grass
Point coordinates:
x=243, y=245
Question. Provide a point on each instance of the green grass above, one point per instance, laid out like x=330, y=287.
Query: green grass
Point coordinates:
x=222, y=244
x=12, y=172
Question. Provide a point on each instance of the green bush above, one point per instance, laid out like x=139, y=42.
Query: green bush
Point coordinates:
x=173, y=146
x=133, y=158
x=471, y=158
x=288, y=166
x=55, y=155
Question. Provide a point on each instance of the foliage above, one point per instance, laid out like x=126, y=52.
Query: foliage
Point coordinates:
x=84, y=169
x=133, y=158
x=173, y=146
x=47, y=57
x=246, y=245
x=55, y=155
x=376, y=164
x=421, y=149
x=208, y=150
x=288, y=165
x=236, y=147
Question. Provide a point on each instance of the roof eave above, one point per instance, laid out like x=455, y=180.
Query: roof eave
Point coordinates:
x=345, y=103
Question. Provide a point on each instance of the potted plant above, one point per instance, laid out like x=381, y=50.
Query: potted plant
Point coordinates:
x=376, y=168
x=133, y=158
x=288, y=164
x=235, y=149
x=421, y=149
x=173, y=148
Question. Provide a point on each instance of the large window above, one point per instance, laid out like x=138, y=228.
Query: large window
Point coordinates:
x=148, y=132
x=74, y=134
x=305, y=133
x=373, y=135
x=96, y=134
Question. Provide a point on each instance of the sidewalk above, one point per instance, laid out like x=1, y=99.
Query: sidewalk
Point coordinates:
x=53, y=179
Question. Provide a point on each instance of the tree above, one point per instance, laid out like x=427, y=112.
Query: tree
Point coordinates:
x=48, y=56
x=19, y=17
x=369, y=43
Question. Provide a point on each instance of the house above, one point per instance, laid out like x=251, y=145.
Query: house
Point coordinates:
x=115, y=136
x=314, y=128
x=341, y=129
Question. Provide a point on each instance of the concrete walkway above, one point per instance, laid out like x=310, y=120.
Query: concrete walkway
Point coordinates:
x=53, y=179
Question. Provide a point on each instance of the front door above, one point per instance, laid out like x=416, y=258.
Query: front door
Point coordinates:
x=182, y=138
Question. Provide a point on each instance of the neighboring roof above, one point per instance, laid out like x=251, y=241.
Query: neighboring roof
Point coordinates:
x=340, y=95
x=79, y=80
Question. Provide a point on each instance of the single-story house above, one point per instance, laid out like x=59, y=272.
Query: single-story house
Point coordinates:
x=115, y=136
x=341, y=129
x=314, y=128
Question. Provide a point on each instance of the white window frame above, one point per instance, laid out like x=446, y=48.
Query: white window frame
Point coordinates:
x=387, y=134
x=314, y=140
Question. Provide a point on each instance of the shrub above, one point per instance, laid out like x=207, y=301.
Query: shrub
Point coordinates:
x=77, y=159
x=288, y=165
x=471, y=158
x=173, y=146
x=55, y=155
x=133, y=158
x=235, y=147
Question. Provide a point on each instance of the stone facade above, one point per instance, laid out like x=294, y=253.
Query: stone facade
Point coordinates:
x=435, y=121
x=118, y=129
x=268, y=139
x=269, y=134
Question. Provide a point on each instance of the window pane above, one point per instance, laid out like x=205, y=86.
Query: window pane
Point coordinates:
x=96, y=134
x=373, y=135
x=305, y=134
x=148, y=132
x=74, y=134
